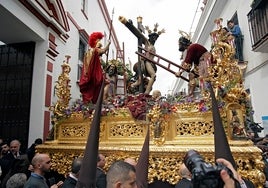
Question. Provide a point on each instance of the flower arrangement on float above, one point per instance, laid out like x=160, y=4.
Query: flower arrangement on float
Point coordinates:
x=139, y=105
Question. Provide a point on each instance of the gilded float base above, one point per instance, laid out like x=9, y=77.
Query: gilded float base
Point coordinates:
x=121, y=136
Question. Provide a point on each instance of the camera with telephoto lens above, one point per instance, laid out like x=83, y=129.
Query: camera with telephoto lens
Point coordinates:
x=204, y=175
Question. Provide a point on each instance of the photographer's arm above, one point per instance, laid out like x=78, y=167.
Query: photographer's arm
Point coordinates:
x=230, y=182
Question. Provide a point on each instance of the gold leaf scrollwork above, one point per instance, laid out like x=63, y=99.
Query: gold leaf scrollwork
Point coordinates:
x=158, y=125
x=63, y=92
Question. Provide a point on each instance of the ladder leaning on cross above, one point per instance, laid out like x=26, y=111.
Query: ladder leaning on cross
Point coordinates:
x=160, y=58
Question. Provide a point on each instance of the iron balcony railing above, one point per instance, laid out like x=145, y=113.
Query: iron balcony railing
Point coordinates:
x=258, y=25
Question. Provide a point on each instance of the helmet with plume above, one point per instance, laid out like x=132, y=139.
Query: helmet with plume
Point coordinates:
x=94, y=38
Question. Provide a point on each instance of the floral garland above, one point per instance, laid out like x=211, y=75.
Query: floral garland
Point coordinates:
x=139, y=105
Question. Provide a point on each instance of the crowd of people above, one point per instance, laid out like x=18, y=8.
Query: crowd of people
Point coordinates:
x=18, y=172
x=30, y=169
x=15, y=165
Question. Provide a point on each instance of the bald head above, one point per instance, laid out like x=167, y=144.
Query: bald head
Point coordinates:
x=121, y=173
x=41, y=163
x=15, y=147
x=39, y=157
x=131, y=161
x=156, y=94
x=15, y=142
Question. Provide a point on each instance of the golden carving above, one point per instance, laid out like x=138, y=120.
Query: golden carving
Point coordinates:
x=62, y=88
x=182, y=134
x=172, y=134
x=187, y=107
x=164, y=160
x=223, y=71
x=158, y=125
x=74, y=131
x=125, y=130
x=63, y=93
x=235, y=120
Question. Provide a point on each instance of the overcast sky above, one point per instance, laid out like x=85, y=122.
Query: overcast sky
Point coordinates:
x=171, y=15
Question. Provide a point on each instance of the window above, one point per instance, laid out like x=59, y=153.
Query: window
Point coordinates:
x=81, y=53
x=84, y=5
x=82, y=50
x=258, y=25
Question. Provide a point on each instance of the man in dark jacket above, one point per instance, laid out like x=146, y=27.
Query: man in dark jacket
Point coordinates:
x=71, y=180
x=100, y=174
x=31, y=150
x=41, y=164
x=8, y=159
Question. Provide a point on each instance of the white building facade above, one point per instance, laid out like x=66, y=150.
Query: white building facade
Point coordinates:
x=252, y=18
x=56, y=28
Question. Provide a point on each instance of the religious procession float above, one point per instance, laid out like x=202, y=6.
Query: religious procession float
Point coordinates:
x=176, y=123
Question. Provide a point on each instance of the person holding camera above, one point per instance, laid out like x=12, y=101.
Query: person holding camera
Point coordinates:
x=230, y=182
x=207, y=175
x=186, y=175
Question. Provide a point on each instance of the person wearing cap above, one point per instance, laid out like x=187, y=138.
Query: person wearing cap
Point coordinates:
x=195, y=53
x=92, y=73
x=156, y=95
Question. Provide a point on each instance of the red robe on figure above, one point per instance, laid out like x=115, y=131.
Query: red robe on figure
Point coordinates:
x=90, y=83
x=92, y=73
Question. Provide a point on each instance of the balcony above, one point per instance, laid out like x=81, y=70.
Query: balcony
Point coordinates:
x=258, y=25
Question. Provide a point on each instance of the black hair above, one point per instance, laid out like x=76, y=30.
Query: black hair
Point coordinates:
x=38, y=141
x=4, y=143
x=226, y=29
x=184, y=41
x=230, y=21
x=76, y=165
x=153, y=37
